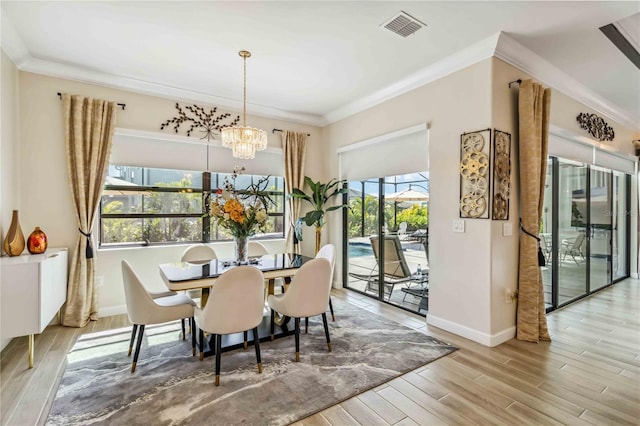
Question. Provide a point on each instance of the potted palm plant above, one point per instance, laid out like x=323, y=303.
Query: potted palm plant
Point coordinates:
x=320, y=194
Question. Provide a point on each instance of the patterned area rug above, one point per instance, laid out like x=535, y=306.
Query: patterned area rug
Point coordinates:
x=170, y=387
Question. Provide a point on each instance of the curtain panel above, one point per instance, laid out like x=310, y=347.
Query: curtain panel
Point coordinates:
x=533, y=110
x=88, y=132
x=294, y=145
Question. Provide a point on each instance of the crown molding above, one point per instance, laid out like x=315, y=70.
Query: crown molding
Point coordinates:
x=466, y=57
x=12, y=44
x=72, y=72
x=526, y=60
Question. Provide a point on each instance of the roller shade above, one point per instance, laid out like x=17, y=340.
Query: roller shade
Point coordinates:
x=614, y=162
x=149, y=149
x=587, y=153
x=397, y=153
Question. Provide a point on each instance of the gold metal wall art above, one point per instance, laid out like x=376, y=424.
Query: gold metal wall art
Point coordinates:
x=475, y=165
x=501, y=174
x=206, y=121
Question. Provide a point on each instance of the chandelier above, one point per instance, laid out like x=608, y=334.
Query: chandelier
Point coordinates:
x=244, y=141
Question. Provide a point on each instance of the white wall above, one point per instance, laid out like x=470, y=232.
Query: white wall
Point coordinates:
x=9, y=149
x=460, y=263
x=43, y=167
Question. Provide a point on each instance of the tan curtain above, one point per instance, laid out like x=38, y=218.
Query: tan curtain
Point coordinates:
x=533, y=108
x=294, y=145
x=88, y=133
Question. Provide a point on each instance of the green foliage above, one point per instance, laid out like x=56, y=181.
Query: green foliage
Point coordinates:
x=320, y=195
x=416, y=216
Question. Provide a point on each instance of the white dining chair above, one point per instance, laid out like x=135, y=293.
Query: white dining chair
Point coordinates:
x=328, y=251
x=307, y=296
x=143, y=310
x=236, y=304
x=257, y=249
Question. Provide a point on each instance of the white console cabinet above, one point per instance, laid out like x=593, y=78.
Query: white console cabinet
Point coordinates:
x=33, y=289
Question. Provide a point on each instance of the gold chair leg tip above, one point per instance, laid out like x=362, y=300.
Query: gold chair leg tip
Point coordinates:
x=329, y=346
x=297, y=356
x=245, y=345
x=217, y=380
x=201, y=356
x=259, y=368
x=193, y=351
x=272, y=337
x=333, y=317
x=129, y=354
x=133, y=368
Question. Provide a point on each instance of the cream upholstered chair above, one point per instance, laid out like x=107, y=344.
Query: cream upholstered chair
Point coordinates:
x=307, y=296
x=328, y=252
x=257, y=249
x=144, y=310
x=236, y=303
x=198, y=254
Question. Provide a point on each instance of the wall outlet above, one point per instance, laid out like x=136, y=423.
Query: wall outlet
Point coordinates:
x=99, y=280
x=507, y=229
x=458, y=225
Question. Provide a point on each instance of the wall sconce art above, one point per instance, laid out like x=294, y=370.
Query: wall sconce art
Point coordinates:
x=475, y=150
x=596, y=126
x=501, y=174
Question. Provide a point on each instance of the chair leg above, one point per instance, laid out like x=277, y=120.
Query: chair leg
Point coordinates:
x=306, y=325
x=184, y=337
x=218, y=355
x=273, y=324
x=133, y=336
x=297, y=321
x=245, y=338
x=135, y=355
x=201, y=344
x=326, y=330
x=333, y=317
x=256, y=343
x=192, y=328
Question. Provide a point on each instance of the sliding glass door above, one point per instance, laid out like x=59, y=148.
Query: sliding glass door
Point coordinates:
x=387, y=243
x=584, y=230
x=599, y=231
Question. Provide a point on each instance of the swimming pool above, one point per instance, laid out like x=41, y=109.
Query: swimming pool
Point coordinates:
x=360, y=249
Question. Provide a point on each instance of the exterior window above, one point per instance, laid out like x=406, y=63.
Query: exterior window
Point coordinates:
x=142, y=206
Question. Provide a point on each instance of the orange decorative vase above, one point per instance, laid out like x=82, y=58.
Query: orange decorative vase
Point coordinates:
x=37, y=241
x=14, y=241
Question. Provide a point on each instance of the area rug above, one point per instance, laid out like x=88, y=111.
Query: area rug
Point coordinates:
x=170, y=387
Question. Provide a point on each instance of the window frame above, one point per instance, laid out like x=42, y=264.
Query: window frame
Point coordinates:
x=207, y=229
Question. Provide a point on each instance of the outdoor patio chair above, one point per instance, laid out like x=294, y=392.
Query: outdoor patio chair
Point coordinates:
x=402, y=231
x=573, y=248
x=396, y=270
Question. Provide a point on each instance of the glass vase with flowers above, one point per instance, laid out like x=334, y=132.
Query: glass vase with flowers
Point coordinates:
x=242, y=212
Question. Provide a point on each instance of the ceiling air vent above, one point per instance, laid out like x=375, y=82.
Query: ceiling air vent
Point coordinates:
x=403, y=24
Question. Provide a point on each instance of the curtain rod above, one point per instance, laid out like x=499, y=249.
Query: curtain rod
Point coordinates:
x=123, y=106
x=514, y=82
x=280, y=130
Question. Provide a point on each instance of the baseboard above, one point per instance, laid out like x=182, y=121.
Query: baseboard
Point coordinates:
x=634, y=275
x=112, y=310
x=471, y=334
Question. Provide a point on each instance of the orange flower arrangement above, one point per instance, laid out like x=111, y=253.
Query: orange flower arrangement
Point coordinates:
x=243, y=213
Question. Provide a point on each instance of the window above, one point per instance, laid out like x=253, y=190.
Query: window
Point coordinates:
x=142, y=206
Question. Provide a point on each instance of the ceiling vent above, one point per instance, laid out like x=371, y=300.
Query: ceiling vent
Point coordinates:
x=403, y=24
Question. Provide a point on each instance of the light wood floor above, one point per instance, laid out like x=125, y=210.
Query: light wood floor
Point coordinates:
x=588, y=374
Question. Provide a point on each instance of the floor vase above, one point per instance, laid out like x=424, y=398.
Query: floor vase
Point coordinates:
x=14, y=241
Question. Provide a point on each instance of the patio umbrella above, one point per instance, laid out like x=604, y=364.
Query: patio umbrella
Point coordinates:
x=407, y=195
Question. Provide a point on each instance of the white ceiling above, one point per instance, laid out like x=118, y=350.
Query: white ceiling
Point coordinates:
x=314, y=61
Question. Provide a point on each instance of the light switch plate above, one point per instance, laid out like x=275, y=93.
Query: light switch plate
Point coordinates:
x=507, y=229
x=458, y=225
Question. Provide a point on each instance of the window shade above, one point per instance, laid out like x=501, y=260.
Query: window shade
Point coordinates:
x=562, y=147
x=148, y=149
x=396, y=153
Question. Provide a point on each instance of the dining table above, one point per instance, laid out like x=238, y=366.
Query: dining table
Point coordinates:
x=181, y=276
